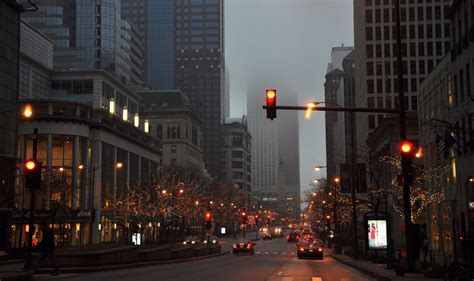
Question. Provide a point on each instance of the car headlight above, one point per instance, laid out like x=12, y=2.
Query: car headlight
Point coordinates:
x=193, y=242
x=184, y=242
x=214, y=241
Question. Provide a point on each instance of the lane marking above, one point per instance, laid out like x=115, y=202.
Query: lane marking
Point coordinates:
x=317, y=279
x=266, y=253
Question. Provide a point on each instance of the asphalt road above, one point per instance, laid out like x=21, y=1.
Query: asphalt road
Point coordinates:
x=274, y=260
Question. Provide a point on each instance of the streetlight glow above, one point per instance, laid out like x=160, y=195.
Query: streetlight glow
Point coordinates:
x=28, y=111
x=310, y=105
x=119, y=165
x=80, y=167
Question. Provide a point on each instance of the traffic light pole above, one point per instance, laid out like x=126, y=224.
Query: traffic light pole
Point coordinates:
x=406, y=159
x=29, y=259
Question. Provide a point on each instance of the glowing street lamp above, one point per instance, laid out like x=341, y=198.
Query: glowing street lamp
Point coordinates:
x=119, y=165
x=28, y=111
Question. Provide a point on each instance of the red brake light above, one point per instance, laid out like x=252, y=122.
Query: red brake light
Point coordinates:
x=234, y=245
x=320, y=249
x=249, y=246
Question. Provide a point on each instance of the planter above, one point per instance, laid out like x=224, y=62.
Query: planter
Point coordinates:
x=200, y=251
x=118, y=255
x=182, y=252
x=215, y=249
x=155, y=254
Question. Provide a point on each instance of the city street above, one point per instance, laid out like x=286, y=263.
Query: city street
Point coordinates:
x=274, y=260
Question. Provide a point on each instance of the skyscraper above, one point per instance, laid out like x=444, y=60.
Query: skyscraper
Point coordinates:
x=86, y=36
x=199, y=69
x=185, y=50
x=275, y=151
x=425, y=31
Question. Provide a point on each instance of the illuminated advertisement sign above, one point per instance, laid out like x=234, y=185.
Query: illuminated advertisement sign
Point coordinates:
x=377, y=234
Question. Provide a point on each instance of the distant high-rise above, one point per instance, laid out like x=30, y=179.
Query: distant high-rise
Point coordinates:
x=275, y=152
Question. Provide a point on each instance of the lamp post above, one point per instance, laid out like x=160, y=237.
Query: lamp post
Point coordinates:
x=118, y=165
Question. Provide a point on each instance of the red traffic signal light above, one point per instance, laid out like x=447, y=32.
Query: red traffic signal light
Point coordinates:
x=30, y=165
x=270, y=97
x=32, y=169
x=406, y=147
x=208, y=216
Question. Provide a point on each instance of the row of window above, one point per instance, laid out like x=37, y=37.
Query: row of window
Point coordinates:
x=379, y=86
x=408, y=32
x=385, y=68
x=406, y=14
x=388, y=50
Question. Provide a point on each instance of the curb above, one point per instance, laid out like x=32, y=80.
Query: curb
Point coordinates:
x=128, y=265
x=363, y=270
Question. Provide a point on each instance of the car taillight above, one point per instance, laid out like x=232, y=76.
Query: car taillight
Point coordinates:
x=241, y=244
x=301, y=249
x=311, y=246
x=249, y=246
x=234, y=246
x=320, y=249
x=288, y=237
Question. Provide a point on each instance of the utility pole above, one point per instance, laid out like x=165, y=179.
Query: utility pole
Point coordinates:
x=29, y=258
x=406, y=159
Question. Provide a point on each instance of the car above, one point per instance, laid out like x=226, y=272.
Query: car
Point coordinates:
x=267, y=236
x=191, y=240
x=211, y=240
x=243, y=246
x=293, y=237
x=310, y=250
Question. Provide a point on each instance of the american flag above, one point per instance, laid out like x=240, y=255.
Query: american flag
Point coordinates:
x=439, y=146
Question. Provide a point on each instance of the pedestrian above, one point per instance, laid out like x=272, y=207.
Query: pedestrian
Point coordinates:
x=47, y=248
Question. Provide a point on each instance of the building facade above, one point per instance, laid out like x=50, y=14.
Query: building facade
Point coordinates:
x=238, y=153
x=36, y=63
x=199, y=70
x=172, y=121
x=446, y=116
x=9, y=59
x=425, y=35
x=86, y=36
x=131, y=62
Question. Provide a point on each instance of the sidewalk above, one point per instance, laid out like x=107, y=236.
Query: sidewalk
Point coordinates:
x=378, y=271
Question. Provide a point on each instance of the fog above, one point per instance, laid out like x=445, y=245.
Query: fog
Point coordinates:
x=288, y=40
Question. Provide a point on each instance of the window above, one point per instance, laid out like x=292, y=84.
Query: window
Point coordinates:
x=379, y=86
x=370, y=102
x=413, y=85
x=237, y=164
x=378, y=50
x=386, y=33
x=371, y=119
x=159, y=131
x=377, y=15
x=429, y=31
x=237, y=154
x=368, y=16
x=411, y=14
x=388, y=68
x=379, y=68
x=413, y=67
x=378, y=33
x=412, y=32
x=412, y=49
x=370, y=68
x=421, y=50
x=173, y=148
x=421, y=31
x=414, y=103
x=420, y=14
x=468, y=80
x=369, y=33
x=388, y=86
x=370, y=51
x=387, y=50
x=370, y=86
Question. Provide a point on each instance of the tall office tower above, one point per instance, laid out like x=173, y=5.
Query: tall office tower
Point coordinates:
x=136, y=12
x=199, y=69
x=275, y=151
x=335, y=122
x=86, y=36
x=185, y=50
x=130, y=66
x=264, y=147
x=425, y=32
x=289, y=155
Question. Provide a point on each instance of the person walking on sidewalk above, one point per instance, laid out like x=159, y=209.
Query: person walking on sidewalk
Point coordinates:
x=47, y=248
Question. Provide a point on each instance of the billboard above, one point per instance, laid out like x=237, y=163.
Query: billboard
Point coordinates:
x=377, y=234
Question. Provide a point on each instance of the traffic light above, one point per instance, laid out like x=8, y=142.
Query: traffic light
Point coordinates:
x=208, y=218
x=407, y=148
x=243, y=216
x=32, y=170
x=271, y=97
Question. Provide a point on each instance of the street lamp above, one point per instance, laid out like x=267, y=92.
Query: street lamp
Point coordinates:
x=318, y=168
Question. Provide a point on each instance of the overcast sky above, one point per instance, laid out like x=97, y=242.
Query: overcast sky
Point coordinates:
x=292, y=40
